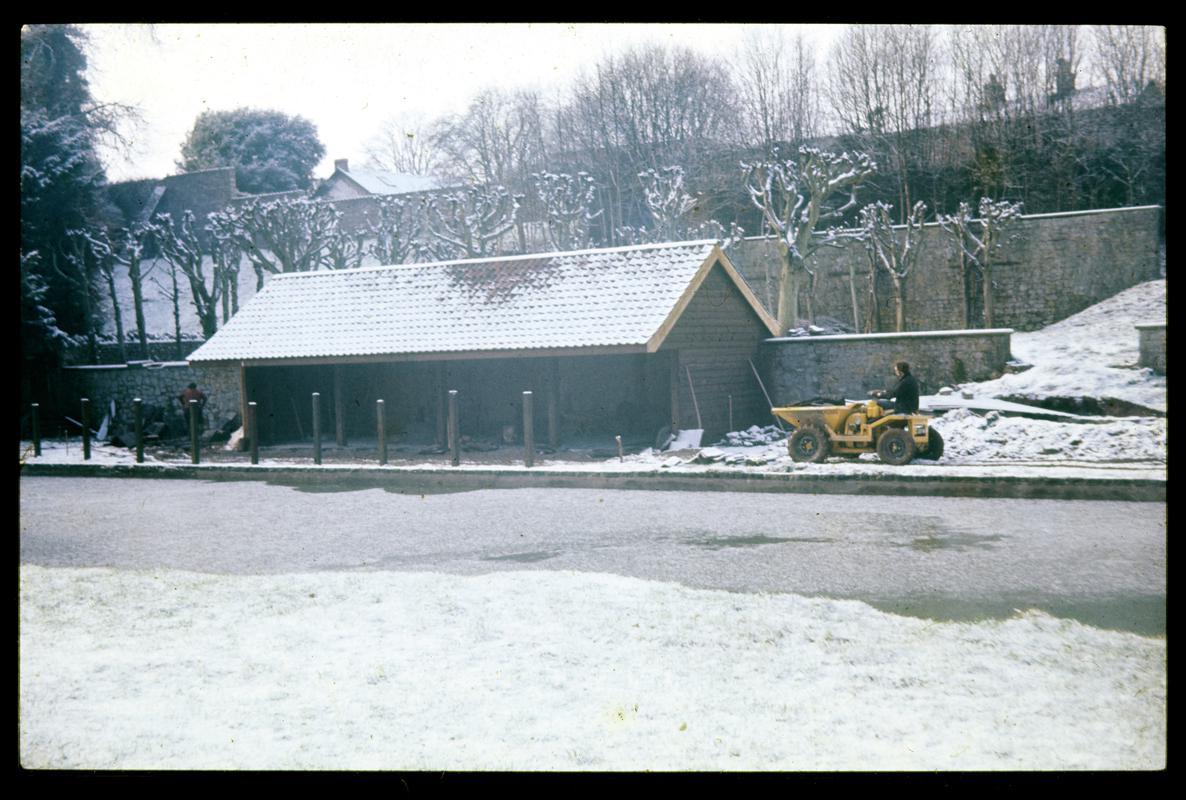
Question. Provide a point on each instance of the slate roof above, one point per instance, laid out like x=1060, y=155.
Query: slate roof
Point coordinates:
x=380, y=182
x=621, y=297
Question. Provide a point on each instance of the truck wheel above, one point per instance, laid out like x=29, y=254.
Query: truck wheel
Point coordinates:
x=934, y=449
x=895, y=447
x=808, y=444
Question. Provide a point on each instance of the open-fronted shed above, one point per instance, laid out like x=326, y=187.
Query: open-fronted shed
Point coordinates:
x=620, y=340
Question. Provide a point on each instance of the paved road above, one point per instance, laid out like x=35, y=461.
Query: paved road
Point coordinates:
x=1103, y=563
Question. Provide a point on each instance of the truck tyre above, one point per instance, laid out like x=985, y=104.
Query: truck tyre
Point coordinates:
x=809, y=444
x=895, y=447
x=934, y=450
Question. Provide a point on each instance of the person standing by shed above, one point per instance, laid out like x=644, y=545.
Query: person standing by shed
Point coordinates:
x=192, y=392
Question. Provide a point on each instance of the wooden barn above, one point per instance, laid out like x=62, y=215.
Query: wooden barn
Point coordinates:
x=624, y=340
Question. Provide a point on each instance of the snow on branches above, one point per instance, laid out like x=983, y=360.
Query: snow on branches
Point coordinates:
x=795, y=196
x=977, y=241
x=469, y=222
x=568, y=207
x=892, y=252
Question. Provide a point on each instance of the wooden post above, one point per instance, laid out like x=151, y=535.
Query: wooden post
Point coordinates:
x=442, y=435
x=243, y=395
x=195, y=449
x=253, y=430
x=36, y=431
x=454, y=437
x=675, y=382
x=86, y=429
x=317, y=428
x=138, y=421
x=339, y=406
x=554, y=403
x=381, y=416
x=528, y=429
x=730, y=412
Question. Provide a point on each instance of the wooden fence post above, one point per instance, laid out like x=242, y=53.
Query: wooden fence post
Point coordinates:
x=339, y=406
x=36, y=431
x=86, y=429
x=195, y=454
x=138, y=422
x=528, y=429
x=454, y=437
x=317, y=428
x=253, y=430
x=381, y=416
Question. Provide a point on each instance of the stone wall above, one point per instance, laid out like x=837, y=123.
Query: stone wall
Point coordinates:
x=800, y=368
x=109, y=354
x=1152, y=344
x=1054, y=265
x=156, y=386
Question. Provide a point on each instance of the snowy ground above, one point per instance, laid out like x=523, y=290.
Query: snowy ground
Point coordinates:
x=566, y=671
x=557, y=671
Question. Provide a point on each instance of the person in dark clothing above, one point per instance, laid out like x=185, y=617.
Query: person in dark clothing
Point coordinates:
x=192, y=392
x=904, y=394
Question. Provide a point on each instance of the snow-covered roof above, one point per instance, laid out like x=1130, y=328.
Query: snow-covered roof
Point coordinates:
x=380, y=182
x=626, y=298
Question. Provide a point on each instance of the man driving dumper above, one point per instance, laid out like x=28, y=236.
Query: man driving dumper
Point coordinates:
x=904, y=394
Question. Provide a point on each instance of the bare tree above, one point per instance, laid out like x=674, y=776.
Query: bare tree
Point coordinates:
x=795, y=197
x=470, y=222
x=398, y=232
x=280, y=235
x=1129, y=58
x=640, y=110
x=404, y=145
x=568, y=202
x=668, y=201
x=881, y=83
x=892, y=252
x=182, y=249
x=128, y=249
x=777, y=88
x=978, y=241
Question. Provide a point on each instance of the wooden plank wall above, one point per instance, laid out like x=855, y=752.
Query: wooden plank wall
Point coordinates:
x=717, y=336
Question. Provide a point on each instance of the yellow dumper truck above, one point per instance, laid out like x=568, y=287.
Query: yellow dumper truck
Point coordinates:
x=853, y=428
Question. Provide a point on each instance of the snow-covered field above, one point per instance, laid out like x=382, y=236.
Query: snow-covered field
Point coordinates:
x=557, y=671
x=542, y=670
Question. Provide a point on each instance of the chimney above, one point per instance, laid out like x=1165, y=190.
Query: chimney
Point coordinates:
x=342, y=164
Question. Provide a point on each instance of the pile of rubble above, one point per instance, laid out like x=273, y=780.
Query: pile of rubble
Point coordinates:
x=753, y=436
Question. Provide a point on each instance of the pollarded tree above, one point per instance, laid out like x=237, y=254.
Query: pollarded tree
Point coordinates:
x=568, y=202
x=279, y=235
x=979, y=240
x=270, y=151
x=397, y=234
x=470, y=222
x=795, y=197
x=892, y=252
x=182, y=249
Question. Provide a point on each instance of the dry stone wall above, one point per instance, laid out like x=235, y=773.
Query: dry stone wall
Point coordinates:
x=1054, y=265
x=847, y=367
x=158, y=385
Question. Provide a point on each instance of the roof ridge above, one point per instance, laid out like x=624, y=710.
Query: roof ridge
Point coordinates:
x=489, y=259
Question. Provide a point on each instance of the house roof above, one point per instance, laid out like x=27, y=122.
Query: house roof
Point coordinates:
x=619, y=299
x=380, y=182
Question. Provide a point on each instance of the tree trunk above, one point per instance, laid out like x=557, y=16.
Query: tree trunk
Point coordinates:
x=117, y=316
x=986, y=274
x=852, y=286
x=788, y=296
x=138, y=305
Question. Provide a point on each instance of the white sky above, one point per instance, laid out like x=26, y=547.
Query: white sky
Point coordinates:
x=348, y=79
